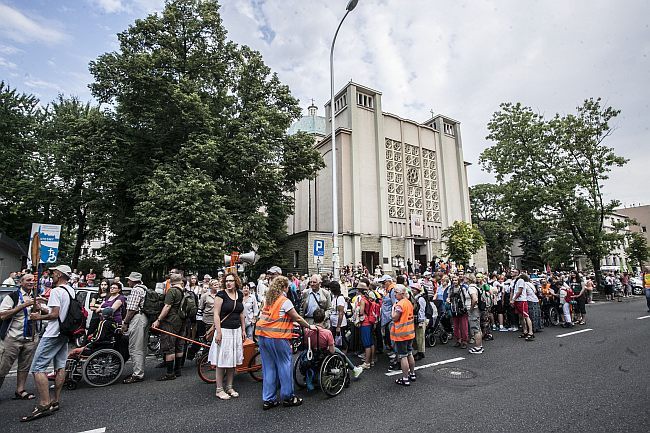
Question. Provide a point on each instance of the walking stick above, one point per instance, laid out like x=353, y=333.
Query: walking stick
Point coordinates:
x=36, y=260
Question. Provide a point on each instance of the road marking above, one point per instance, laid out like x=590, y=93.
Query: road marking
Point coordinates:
x=643, y=317
x=433, y=364
x=574, y=332
x=97, y=430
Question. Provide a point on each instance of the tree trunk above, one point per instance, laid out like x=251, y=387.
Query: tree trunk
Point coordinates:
x=599, y=283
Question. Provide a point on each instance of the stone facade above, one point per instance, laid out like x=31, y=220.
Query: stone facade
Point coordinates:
x=400, y=184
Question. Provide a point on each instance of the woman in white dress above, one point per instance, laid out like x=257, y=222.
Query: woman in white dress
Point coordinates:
x=227, y=350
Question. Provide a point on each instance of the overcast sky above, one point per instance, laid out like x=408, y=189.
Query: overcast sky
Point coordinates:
x=458, y=58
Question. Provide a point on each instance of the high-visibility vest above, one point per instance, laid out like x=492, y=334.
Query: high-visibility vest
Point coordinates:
x=403, y=329
x=271, y=325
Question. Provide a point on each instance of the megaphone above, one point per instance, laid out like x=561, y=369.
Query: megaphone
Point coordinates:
x=250, y=258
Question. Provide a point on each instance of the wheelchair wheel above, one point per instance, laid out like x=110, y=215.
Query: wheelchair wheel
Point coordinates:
x=554, y=316
x=102, y=368
x=444, y=337
x=298, y=377
x=333, y=375
x=255, y=367
x=430, y=338
x=206, y=371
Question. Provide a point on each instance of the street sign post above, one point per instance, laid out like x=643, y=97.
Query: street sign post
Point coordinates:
x=319, y=247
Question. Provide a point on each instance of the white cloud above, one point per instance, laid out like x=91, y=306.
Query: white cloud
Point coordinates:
x=20, y=28
x=110, y=6
x=463, y=58
x=4, y=63
x=8, y=49
x=41, y=84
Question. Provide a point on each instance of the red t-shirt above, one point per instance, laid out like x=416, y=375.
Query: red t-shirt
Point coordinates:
x=324, y=338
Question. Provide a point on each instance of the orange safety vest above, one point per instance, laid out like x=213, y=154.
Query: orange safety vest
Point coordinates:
x=271, y=325
x=404, y=328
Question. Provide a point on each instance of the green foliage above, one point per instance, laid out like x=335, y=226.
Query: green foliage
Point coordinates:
x=557, y=167
x=462, y=240
x=637, y=249
x=206, y=162
x=493, y=217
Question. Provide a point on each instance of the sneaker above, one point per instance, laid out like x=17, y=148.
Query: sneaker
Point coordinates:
x=366, y=366
x=356, y=371
x=502, y=329
x=476, y=350
x=394, y=367
x=392, y=355
x=513, y=329
x=362, y=355
x=488, y=337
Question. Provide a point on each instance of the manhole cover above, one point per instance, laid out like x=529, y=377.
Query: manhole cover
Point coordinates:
x=455, y=373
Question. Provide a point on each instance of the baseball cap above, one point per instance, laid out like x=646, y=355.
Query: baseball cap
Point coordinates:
x=384, y=278
x=64, y=269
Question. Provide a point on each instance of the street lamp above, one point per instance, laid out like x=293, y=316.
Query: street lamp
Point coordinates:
x=335, y=199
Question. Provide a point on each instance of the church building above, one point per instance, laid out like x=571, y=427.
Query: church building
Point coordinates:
x=400, y=184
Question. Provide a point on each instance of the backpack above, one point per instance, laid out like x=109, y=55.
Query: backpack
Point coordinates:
x=458, y=307
x=74, y=319
x=372, y=310
x=4, y=324
x=188, y=307
x=482, y=306
x=153, y=302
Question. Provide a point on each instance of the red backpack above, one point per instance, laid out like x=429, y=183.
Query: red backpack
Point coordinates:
x=372, y=310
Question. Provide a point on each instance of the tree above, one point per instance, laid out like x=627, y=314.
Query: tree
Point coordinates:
x=462, y=240
x=558, y=167
x=80, y=145
x=637, y=249
x=493, y=218
x=200, y=115
x=22, y=197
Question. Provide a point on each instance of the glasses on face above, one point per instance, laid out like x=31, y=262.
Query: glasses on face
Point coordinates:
x=313, y=282
x=230, y=281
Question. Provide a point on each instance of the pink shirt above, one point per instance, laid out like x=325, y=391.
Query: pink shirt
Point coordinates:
x=325, y=338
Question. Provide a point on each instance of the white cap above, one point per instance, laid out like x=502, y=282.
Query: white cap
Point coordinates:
x=384, y=278
x=274, y=270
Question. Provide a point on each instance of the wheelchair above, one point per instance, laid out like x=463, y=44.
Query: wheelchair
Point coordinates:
x=101, y=361
x=320, y=367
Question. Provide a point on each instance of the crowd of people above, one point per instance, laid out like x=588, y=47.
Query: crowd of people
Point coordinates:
x=361, y=315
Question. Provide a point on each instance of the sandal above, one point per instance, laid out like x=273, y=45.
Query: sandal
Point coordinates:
x=403, y=382
x=412, y=377
x=222, y=395
x=133, y=379
x=231, y=392
x=292, y=401
x=270, y=405
x=23, y=395
x=55, y=406
x=38, y=412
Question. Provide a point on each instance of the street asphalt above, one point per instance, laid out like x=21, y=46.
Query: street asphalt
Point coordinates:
x=594, y=381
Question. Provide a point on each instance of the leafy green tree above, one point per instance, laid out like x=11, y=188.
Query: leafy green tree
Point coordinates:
x=492, y=215
x=558, y=167
x=637, y=249
x=462, y=240
x=80, y=145
x=200, y=115
x=22, y=190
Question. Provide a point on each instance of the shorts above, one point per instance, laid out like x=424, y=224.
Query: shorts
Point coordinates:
x=498, y=308
x=403, y=348
x=366, y=336
x=521, y=308
x=168, y=343
x=580, y=305
x=474, y=321
x=50, y=349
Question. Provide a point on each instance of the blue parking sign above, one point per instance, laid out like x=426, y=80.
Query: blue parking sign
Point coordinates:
x=319, y=247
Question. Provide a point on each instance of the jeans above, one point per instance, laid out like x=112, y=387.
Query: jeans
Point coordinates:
x=249, y=331
x=277, y=364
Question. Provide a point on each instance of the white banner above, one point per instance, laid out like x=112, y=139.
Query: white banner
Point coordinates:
x=50, y=235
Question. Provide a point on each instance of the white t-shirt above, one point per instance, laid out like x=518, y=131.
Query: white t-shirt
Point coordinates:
x=499, y=286
x=334, y=317
x=472, y=290
x=520, y=284
x=58, y=298
x=506, y=285
x=286, y=306
x=530, y=293
x=9, y=282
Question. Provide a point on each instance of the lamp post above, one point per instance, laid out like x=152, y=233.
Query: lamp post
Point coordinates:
x=335, y=199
